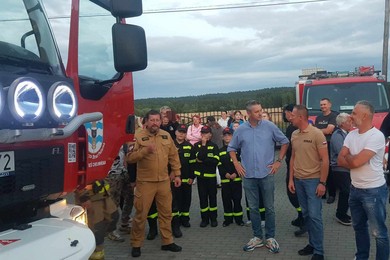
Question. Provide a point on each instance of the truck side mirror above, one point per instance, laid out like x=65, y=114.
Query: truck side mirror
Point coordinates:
x=121, y=8
x=129, y=45
x=126, y=8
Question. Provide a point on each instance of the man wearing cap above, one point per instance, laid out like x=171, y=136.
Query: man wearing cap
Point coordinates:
x=207, y=159
x=154, y=149
x=182, y=195
x=231, y=184
x=256, y=139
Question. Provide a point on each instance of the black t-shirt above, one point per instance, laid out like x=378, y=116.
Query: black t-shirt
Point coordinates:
x=322, y=122
x=170, y=128
x=290, y=129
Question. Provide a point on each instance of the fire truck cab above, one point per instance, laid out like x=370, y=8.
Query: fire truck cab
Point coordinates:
x=60, y=129
x=344, y=89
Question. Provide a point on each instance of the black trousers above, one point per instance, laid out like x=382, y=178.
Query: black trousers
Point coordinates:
x=292, y=197
x=182, y=197
x=207, y=191
x=343, y=183
x=231, y=198
x=330, y=181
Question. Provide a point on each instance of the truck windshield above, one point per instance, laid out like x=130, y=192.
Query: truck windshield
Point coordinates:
x=344, y=96
x=26, y=41
x=95, y=42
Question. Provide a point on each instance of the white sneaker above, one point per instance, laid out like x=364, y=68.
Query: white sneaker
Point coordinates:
x=263, y=223
x=248, y=223
x=115, y=237
x=272, y=245
x=252, y=244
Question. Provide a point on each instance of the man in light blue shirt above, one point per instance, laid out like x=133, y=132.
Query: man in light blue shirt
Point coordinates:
x=255, y=139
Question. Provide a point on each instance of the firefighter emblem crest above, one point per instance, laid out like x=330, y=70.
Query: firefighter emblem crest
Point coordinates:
x=95, y=136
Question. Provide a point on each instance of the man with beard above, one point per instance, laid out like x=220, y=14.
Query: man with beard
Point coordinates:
x=154, y=149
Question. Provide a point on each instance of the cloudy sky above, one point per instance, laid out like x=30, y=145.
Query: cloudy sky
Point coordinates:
x=266, y=44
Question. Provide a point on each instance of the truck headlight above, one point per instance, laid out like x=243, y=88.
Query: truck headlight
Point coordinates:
x=62, y=102
x=79, y=214
x=25, y=100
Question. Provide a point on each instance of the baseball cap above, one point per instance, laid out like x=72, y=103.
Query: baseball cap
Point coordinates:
x=205, y=129
x=227, y=130
x=182, y=127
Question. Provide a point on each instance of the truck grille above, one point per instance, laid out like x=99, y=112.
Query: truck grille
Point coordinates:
x=38, y=173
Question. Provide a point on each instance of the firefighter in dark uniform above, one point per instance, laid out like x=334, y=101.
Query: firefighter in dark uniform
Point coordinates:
x=231, y=184
x=183, y=194
x=207, y=159
x=154, y=149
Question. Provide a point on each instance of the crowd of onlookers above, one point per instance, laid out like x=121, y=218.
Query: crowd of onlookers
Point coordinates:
x=335, y=152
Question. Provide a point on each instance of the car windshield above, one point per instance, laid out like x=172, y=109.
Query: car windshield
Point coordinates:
x=344, y=96
x=26, y=41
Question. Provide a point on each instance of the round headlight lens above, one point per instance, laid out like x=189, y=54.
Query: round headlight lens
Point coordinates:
x=25, y=100
x=62, y=102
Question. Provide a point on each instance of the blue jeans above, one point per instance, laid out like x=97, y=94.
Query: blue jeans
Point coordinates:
x=369, y=205
x=311, y=206
x=266, y=186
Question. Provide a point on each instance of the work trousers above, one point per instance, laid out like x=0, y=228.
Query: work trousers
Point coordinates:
x=144, y=194
x=182, y=196
x=207, y=191
x=343, y=183
x=231, y=198
x=120, y=188
x=102, y=218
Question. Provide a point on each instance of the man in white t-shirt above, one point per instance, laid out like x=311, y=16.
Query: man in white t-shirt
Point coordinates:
x=362, y=153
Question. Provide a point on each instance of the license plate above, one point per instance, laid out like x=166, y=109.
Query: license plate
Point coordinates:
x=7, y=163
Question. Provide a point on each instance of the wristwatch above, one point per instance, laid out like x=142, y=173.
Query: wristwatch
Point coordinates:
x=323, y=183
x=279, y=160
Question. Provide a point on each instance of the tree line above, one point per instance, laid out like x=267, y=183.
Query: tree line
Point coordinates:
x=269, y=97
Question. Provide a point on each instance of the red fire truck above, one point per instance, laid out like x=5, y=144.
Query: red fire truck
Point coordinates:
x=61, y=129
x=344, y=89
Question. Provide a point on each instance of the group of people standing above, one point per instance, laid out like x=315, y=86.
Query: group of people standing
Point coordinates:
x=356, y=162
x=243, y=157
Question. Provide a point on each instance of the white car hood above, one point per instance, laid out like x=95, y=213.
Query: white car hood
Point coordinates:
x=48, y=238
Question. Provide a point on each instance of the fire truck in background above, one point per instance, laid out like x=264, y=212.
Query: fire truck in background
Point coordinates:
x=61, y=129
x=344, y=89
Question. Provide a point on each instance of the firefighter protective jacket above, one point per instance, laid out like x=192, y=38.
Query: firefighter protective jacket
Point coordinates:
x=187, y=159
x=226, y=164
x=154, y=166
x=208, y=156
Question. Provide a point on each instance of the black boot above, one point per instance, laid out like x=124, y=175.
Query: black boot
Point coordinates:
x=185, y=222
x=152, y=229
x=176, y=227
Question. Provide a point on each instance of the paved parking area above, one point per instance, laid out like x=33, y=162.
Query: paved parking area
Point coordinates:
x=227, y=242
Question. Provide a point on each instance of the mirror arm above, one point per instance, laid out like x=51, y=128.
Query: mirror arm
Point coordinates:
x=113, y=80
